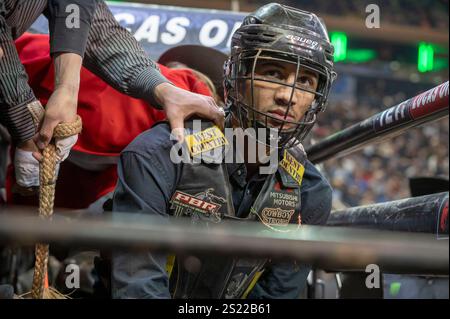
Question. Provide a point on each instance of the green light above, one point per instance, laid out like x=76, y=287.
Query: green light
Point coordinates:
x=440, y=64
x=425, y=59
x=361, y=55
x=394, y=289
x=339, y=41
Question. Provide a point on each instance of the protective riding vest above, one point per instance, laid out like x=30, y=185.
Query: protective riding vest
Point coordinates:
x=204, y=195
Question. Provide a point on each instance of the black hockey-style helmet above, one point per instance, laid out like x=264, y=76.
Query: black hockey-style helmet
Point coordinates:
x=285, y=34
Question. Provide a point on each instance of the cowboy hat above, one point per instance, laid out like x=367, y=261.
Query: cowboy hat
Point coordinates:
x=206, y=60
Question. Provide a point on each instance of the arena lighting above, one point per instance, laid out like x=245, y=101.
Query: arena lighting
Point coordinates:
x=440, y=64
x=361, y=55
x=339, y=41
x=342, y=53
x=425, y=58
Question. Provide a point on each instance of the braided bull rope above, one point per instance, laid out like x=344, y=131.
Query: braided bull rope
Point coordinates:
x=47, y=181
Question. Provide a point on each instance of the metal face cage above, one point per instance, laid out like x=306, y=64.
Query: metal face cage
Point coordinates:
x=242, y=76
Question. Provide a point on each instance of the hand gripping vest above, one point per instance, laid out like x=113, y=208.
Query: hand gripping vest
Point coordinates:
x=204, y=195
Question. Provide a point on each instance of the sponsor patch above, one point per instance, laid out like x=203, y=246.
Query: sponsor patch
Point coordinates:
x=193, y=203
x=205, y=141
x=204, y=205
x=276, y=216
x=286, y=199
x=294, y=168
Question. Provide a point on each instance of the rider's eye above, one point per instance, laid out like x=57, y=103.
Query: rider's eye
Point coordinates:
x=273, y=73
x=306, y=81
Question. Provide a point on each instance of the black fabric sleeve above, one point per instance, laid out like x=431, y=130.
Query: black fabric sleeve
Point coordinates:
x=69, y=24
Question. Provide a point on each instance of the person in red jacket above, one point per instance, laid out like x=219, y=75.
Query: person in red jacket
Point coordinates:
x=111, y=120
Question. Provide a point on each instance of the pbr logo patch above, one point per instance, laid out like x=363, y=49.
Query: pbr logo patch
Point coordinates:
x=205, y=141
x=276, y=216
x=204, y=204
x=292, y=167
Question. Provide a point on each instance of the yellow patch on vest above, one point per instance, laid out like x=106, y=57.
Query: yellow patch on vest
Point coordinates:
x=292, y=167
x=205, y=140
x=252, y=284
x=170, y=263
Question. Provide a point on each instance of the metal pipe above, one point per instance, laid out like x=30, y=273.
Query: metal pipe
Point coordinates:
x=323, y=247
x=426, y=214
x=423, y=108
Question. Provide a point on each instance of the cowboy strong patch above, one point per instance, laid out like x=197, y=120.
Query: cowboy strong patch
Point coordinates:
x=276, y=216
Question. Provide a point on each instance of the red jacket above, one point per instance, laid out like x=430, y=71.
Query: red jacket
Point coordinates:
x=111, y=120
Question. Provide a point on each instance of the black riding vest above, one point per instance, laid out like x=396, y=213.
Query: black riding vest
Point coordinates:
x=204, y=194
